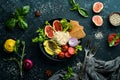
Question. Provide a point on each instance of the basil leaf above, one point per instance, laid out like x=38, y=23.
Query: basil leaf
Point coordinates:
x=72, y=2
x=23, y=10
x=118, y=35
x=11, y=23
x=22, y=24
x=83, y=12
x=75, y=7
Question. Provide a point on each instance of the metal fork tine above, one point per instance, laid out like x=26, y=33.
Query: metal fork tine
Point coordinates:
x=87, y=44
x=93, y=50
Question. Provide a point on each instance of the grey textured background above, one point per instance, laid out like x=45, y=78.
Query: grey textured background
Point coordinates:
x=52, y=9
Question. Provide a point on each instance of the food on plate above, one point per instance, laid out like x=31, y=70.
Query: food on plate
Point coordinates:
x=28, y=64
x=61, y=55
x=73, y=42
x=71, y=50
x=57, y=26
x=97, y=7
x=37, y=13
x=9, y=45
x=49, y=31
x=18, y=18
x=61, y=37
x=67, y=53
x=65, y=47
x=114, y=39
x=114, y=18
x=77, y=30
x=97, y=20
x=51, y=47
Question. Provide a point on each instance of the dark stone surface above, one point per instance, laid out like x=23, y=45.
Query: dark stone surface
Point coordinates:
x=51, y=9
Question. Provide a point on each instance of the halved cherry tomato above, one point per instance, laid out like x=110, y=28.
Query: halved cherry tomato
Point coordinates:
x=61, y=55
x=67, y=55
x=71, y=50
x=64, y=48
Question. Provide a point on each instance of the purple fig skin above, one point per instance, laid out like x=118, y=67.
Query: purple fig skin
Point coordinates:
x=28, y=64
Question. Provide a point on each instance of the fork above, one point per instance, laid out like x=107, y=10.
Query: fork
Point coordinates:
x=86, y=49
x=89, y=51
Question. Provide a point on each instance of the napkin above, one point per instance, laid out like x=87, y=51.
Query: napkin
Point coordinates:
x=95, y=70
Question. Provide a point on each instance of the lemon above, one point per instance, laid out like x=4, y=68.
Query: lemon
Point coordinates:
x=9, y=45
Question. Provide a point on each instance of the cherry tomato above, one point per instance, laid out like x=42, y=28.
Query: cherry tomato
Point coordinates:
x=71, y=50
x=67, y=55
x=61, y=55
x=64, y=48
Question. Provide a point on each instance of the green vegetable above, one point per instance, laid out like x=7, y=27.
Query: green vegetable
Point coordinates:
x=41, y=36
x=24, y=10
x=112, y=43
x=11, y=23
x=68, y=74
x=65, y=25
x=22, y=23
x=19, y=18
x=78, y=48
x=20, y=46
x=77, y=7
x=17, y=45
x=47, y=23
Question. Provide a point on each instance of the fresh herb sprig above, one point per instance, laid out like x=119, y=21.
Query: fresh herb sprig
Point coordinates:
x=18, y=18
x=41, y=36
x=112, y=43
x=65, y=25
x=69, y=73
x=19, y=58
x=78, y=48
x=78, y=8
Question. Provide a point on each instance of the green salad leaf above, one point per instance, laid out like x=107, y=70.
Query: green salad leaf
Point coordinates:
x=78, y=48
x=65, y=25
x=41, y=36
